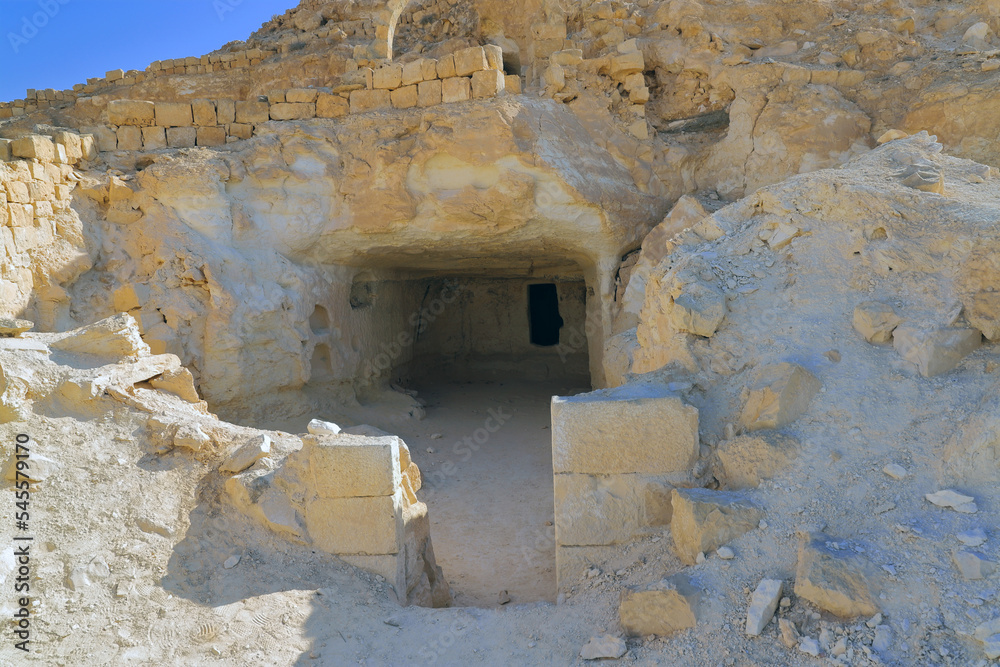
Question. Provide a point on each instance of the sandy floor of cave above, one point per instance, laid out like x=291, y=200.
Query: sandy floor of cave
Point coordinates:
x=491, y=508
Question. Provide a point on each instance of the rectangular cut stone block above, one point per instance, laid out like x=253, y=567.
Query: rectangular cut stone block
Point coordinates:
x=388, y=77
x=404, y=98
x=456, y=89
x=429, y=93
x=129, y=138
x=487, y=83
x=5, y=151
x=356, y=525
x=429, y=69
x=446, y=67
x=240, y=130
x=593, y=510
x=252, y=112
x=369, y=100
x=204, y=113
x=623, y=430
x=225, y=111
x=301, y=95
x=494, y=56
x=353, y=465
x=181, y=137
x=131, y=112
x=154, y=137
x=331, y=106
x=211, y=136
x=174, y=114
x=413, y=72
x=468, y=61
x=34, y=146
x=292, y=111
x=71, y=142
x=512, y=84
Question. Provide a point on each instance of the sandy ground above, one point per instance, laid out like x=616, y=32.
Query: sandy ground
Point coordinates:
x=489, y=493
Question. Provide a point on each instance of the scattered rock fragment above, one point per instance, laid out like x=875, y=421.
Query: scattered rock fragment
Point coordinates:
x=669, y=605
x=725, y=553
x=895, y=471
x=989, y=634
x=748, y=460
x=232, y=562
x=973, y=565
x=704, y=520
x=249, y=453
x=190, y=436
x=883, y=639
x=763, y=603
x=606, y=647
x=876, y=321
x=835, y=580
x=320, y=427
x=924, y=176
x=954, y=500
x=789, y=634
x=935, y=351
x=972, y=538
x=891, y=135
x=781, y=394
x=810, y=646
x=699, y=309
x=11, y=327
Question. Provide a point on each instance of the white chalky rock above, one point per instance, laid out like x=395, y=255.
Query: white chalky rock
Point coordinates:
x=762, y=605
x=231, y=562
x=810, y=646
x=320, y=427
x=606, y=647
x=725, y=553
x=883, y=638
x=248, y=454
x=954, y=500
x=895, y=471
x=972, y=538
x=972, y=565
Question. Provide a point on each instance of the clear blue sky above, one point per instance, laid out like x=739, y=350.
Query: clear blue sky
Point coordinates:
x=56, y=43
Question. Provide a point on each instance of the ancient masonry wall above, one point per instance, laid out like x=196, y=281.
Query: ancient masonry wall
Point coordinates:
x=472, y=73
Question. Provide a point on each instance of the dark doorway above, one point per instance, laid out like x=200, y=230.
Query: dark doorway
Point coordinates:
x=543, y=312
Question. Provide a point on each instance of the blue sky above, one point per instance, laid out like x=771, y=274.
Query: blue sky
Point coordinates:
x=56, y=43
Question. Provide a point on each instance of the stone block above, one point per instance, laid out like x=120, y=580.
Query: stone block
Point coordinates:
x=71, y=142
x=429, y=93
x=225, y=111
x=593, y=510
x=34, y=146
x=763, y=603
x=211, y=136
x=456, y=89
x=239, y=130
x=781, y=393
x=876, y=321
x=331, y=106
x=429, y=69
x=88, y=146
x=446, y=67
x=470, y=60
x=748, y=460
x=834, y=578
x=131, y=112
x=704, y=520
x=352, y=465
x=129, y=138
x=251, y=113
x=174, y=114
x=512, y=84
x=935, y=350
x=301, y=95
x=413, y=72
x=487, y=83
x=625, y=64
x=698, y=309
x=404, y=98
x=662, y=608
x=181, y=137
x=984, y=313
x=5, y=150
x=494, y=56
x=388, y=77
x=623, y=430
x=154, y=137
x=292, y=111
x=372, y=525
x=17, y=192
x=204, y=113
x=390, y=566
x=369, y=100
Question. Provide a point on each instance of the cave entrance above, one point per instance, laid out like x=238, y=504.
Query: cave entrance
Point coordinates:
x=485, y=355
